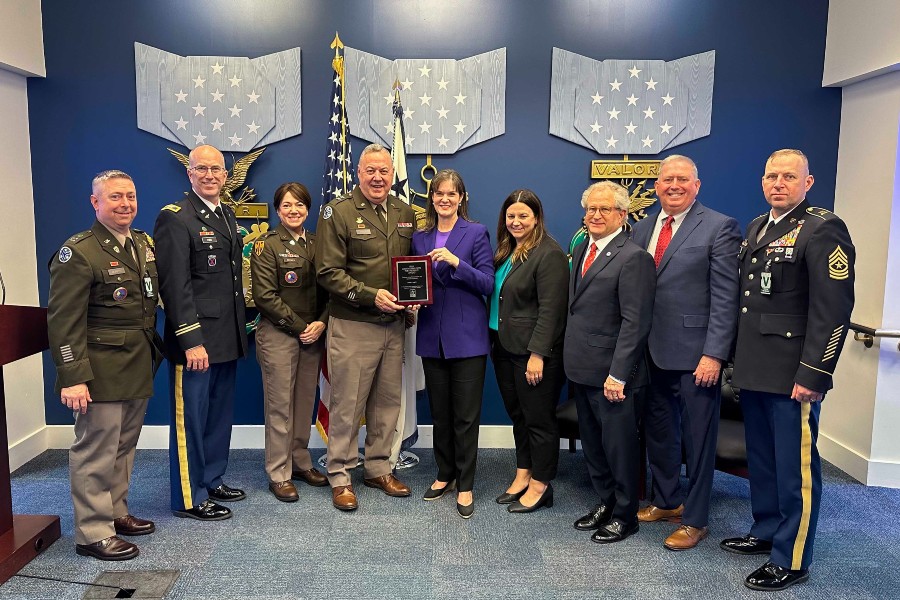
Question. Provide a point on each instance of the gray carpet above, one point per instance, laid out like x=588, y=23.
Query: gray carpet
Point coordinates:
x=407, y=548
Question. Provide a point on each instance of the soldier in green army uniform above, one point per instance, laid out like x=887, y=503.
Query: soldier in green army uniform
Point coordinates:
x=289, y=341
x=358, y=235
x=102, y=329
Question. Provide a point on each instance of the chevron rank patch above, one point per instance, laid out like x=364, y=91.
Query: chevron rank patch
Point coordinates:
x=258, y=247
x=172, y=207
x=838, y=264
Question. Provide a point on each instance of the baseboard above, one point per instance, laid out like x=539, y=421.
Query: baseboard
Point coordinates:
x=865, y=470
x=27, y=448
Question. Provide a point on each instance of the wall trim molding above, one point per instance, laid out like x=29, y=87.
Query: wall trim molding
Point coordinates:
x=865, y=470
x=30, y=446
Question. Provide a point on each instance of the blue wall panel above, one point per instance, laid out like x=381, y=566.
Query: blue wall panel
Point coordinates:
x=768, y=95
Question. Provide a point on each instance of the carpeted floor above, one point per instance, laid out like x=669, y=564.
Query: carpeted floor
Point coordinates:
x=407, y=548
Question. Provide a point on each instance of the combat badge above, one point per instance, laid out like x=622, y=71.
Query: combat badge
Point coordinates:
x=258, y=247
x=65, y=253
x=326, y=214
x=838, y=264
x=290, y=277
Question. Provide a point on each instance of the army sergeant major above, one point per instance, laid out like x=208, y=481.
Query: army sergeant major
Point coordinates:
x=102, y=326
x=358, y=234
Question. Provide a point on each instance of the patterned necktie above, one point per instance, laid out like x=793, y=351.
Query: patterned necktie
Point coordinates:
x=590, y=259
x=665, y=236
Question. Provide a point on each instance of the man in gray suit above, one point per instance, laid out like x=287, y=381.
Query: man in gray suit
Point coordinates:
x=611, y=289
x=694, y=323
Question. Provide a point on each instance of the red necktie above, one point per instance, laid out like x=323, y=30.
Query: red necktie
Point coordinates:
x=590, y=259
x=665, y=236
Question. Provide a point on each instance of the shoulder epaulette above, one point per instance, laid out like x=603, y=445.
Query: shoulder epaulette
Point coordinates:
x=146, y=235
x=822, y=213
x=80, y=237
x=172, y=207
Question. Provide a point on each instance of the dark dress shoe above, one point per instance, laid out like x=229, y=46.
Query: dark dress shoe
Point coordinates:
x=344, y=498
x=746, y=545
x=507, y=498
x=284, y=491
x=546, y=499
x=311, y=477
x=223, y=493
x=614, y=531
x=601, y=515
x=112, y=548
x=433, y=494
x=131, y=525
x=465, y=512
x=389, y=484
x=208, y=511
x=772, y=578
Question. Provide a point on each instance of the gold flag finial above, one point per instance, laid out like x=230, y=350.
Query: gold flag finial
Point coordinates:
x=396, y=87
x=336, y=43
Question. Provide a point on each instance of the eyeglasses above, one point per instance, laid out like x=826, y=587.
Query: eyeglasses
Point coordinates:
x=203, y=170
x=603, y=210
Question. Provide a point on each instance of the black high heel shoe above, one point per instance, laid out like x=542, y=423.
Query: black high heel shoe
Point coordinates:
x=507, y=498
x=546, y=499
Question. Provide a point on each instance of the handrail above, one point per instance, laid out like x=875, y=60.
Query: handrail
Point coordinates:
x=867, y=335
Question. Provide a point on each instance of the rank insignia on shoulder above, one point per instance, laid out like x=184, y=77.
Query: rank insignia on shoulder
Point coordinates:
x=838, y=264
x=326, y=214
x=172, y=207
x=258, y=247
x=65, y=253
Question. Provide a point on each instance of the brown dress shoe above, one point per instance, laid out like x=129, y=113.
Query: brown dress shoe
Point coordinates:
x=112, y=548
x=389, y=484
x=685, y=537
x=650, y=513
x=311, y=477
x=131, y=525
x=344, y=498
x=284, y=491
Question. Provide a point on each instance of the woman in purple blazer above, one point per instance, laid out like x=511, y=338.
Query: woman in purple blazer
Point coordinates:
x=452, y=337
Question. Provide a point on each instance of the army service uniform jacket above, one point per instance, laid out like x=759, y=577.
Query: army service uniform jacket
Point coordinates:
x=102, y=315
x=796, y=299
x=199, y=260
x=353, y=259
x=284, y=281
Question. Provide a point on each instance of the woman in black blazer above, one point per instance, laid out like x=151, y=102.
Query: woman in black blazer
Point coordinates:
x=528, y=318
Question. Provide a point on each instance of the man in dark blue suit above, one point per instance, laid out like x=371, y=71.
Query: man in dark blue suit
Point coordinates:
x=611, y=289
x=694, y=323
x=198, y=255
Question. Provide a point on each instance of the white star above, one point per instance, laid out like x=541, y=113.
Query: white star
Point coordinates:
x=460, y=127
x=632, y=100
x=424, y=70
x=409, y=141
x=389, y=98
x=333, y=138
x=651, y=85
x=426, y=99
x=406, y=84
x=615, y=84
x=235, y=140
x=253, y=128
x=235, y=111
x=460, y=99
x=425, y=127
x=182, y=124
x=613, y=114
x=442, y=84
x=198, y=82
x=630, y=127
x=634, y=71
x=647, y=141
x=442, y=142
x=337, y=101
x=217, y=96
x=408, y=113
x=335, y=118
x=198, y=110
x=217, y=68
x=597, y=98
x=667, y=99
x=442, y=112
x=253, y=96
x=235, y=82
x=595, y=128
x=199, y=138
x=389, y=128
x=182, y=97
x=665, y=127
x=611, y=142
x=648, y=114
x=216, y=125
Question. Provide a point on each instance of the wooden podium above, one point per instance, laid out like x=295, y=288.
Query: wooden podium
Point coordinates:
x=23, y=332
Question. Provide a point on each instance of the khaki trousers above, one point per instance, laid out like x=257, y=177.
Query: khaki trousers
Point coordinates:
x=365, y=361
x=100, y=463
x=290, y=374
